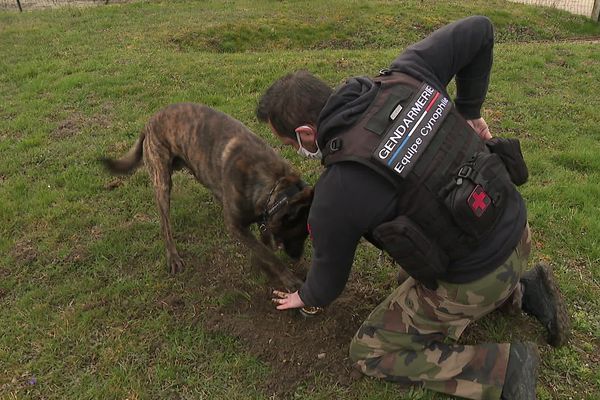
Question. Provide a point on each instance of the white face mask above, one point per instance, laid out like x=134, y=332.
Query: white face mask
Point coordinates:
x=317, y=155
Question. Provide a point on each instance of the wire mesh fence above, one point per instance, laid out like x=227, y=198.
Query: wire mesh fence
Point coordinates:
x=581, y=7
x=35, y=4
x=589, y=8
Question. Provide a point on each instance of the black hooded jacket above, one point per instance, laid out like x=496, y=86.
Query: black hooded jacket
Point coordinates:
x=351, y=199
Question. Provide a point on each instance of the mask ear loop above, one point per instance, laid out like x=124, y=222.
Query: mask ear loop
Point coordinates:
x=299, y=129
x=302, y=150
x=299, y=141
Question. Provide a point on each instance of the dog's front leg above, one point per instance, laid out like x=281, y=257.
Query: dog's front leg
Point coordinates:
x=265, y=257
x=270, y=263
x=160, y=174
x=266, y=237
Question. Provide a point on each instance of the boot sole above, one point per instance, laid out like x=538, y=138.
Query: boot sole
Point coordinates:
x=534, y=364
x=557, y=335
x=526, y=373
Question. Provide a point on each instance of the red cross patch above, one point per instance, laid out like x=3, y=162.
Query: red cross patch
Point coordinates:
x=479, y=201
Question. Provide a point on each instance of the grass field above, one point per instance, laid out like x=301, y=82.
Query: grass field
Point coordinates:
x=87, y=308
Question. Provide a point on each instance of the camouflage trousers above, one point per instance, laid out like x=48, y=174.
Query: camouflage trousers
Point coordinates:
x=409, y=337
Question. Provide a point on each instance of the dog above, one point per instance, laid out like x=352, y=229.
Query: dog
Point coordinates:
x=252, y=182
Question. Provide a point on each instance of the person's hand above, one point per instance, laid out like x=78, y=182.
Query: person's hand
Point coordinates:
x=480, y=127
x=287, y=300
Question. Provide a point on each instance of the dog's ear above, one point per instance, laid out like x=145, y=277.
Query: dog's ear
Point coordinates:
x=299, y=204
x=297, y=207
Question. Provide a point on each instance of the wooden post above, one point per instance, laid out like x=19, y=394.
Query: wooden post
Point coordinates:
x=596, y=11
x=19, y=4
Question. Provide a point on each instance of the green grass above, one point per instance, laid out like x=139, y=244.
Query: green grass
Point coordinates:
x=82, y=268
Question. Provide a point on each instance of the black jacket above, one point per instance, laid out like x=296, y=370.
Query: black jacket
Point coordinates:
x=351, y=200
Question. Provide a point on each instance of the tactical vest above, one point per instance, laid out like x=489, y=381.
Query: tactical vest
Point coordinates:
x=453, y=189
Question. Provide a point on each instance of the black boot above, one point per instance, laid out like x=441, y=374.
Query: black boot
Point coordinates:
x=542, y=299
x=521, y=372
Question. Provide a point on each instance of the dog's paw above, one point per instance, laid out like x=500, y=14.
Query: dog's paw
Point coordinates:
x=176, y=264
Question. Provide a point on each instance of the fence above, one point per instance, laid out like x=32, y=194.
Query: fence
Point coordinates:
x=33, y=4
x=589, y=8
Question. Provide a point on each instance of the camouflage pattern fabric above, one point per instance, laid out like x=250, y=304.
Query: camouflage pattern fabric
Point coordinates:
x=409, y=337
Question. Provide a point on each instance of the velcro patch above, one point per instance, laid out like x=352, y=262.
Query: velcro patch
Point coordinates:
x=410, y=134
x=479, y=201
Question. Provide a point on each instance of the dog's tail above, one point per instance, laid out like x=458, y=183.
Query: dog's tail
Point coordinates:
x=129, y=162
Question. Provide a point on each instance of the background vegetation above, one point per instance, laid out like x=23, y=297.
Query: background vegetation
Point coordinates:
x=83, y=280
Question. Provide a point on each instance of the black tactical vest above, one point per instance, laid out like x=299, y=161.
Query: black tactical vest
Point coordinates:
x=453, y=189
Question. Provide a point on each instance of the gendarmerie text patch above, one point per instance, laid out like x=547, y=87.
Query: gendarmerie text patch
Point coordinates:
x=410, y=134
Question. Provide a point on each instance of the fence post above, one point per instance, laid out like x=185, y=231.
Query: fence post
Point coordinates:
x=19, y=4
x=596, y=11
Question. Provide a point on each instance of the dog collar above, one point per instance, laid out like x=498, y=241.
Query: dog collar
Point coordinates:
x=278, y=204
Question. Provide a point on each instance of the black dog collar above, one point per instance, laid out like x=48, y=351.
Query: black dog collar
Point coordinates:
x=279, y=202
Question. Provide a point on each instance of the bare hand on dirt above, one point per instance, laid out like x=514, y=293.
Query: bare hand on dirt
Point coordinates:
x=285, y=300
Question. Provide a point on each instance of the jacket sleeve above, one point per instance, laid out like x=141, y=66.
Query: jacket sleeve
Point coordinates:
x=462, y=49
x=334, y=242
x=349, y=200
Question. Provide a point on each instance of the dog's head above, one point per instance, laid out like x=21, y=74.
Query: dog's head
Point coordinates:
x=288, y=224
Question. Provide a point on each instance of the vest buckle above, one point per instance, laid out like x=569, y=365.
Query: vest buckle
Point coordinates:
x=465, y=171
x=335, y=144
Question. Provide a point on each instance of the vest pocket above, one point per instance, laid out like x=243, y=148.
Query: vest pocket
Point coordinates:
x=379, y=122
x=476, y=198
x=509, y=151
x=408, y=245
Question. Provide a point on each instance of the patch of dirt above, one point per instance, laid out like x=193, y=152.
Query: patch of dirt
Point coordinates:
x=75, y=122
x=574, y=40
x=343, y=63
x=4, y=272
x=77, y=255
x=69, y=127
x=96, y=233
x=115, y=183
x=520, y=30
x=303, y=347
x=24, y=251
x=94, y=305
x=298, y=349
x=23, y=381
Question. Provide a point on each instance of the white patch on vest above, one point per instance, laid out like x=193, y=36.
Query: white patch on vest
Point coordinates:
x=396, y=111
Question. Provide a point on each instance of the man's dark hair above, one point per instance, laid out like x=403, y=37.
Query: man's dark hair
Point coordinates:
x=293, y=100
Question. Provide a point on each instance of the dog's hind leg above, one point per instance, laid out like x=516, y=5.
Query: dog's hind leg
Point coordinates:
x=159, y=168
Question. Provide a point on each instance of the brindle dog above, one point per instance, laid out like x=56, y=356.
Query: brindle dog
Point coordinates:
x=254, y=184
